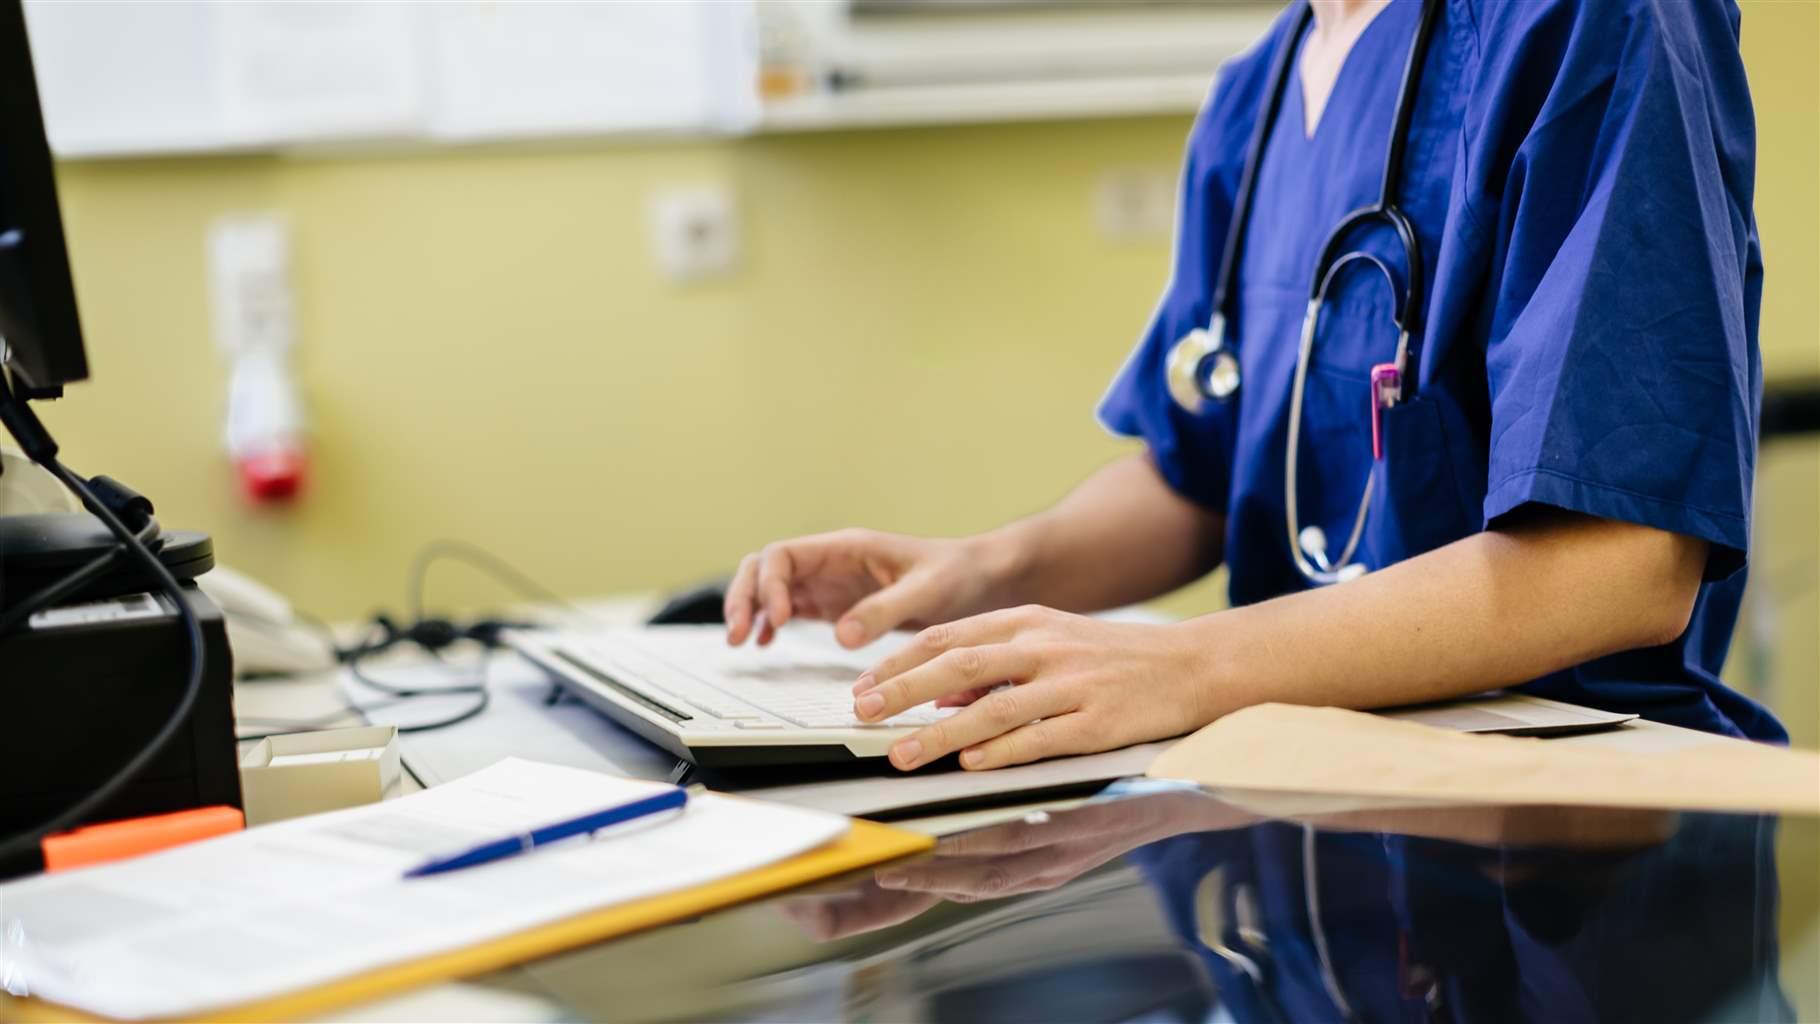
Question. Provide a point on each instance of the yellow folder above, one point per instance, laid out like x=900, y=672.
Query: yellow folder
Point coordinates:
x=865, y=845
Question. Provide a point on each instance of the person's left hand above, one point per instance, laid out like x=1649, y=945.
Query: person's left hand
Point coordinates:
x=1079, y=685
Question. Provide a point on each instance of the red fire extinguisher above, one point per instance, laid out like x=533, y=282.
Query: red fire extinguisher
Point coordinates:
x=265, y=431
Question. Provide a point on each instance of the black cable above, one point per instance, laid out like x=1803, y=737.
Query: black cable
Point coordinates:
x=484, y=631
x=285, y=726
x=404, y=694
x=480, y=558
x=29, y=839
x=429, y=634
x=483, y=699
x=410, y=692
x=353, y=658
x=54, y=592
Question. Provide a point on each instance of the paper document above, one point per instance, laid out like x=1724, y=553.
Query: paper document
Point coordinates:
x=1279, y=747
x=303, y=902
x=1513, y=714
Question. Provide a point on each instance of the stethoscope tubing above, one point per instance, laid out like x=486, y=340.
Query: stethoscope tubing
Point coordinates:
x=1222, y=935
x=1192, y=365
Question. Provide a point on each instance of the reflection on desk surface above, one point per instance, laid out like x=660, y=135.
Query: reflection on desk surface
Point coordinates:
x=1169, y=905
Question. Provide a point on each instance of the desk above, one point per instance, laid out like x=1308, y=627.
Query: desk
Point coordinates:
x=1163, y=903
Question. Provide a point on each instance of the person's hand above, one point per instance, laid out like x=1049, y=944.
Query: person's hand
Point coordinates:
x=866, y=907
x=1077, y=685
x=1041, y=853
x=1011, y=859
x=867, y=583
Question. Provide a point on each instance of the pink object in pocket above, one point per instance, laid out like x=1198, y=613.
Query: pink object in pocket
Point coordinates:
x=1386, y=391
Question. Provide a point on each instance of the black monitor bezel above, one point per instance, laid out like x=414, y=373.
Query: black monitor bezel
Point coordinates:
x=38, y=317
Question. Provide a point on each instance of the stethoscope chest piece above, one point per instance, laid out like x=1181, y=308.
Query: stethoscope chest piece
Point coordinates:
x=1201, y=367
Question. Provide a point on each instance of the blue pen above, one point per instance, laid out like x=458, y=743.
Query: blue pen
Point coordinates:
x=512, y=846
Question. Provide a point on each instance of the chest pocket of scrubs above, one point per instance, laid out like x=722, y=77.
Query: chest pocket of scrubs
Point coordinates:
x=1356, y=332
x=1335, y=452
x=1421, y=504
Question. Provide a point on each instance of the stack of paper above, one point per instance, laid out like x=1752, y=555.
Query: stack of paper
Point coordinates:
x=293, y=905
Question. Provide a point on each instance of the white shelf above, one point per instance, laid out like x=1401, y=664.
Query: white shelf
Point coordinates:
x=121, y=79
x=977, y=102
x=897, y=106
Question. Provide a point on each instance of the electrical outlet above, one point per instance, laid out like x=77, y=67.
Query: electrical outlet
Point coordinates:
x=1136, y=204
x=695, y=232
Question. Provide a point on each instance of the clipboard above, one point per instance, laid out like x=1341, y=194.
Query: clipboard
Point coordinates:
x=864, y=845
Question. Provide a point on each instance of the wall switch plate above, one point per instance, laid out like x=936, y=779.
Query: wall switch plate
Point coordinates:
x=1137, y=204
x=249, y=264
x=695, y=232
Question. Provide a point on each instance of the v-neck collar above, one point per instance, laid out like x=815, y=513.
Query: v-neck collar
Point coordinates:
x=1303, y=128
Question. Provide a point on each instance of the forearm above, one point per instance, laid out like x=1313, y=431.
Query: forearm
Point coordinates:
x=1495, y=609
x=1120, y=537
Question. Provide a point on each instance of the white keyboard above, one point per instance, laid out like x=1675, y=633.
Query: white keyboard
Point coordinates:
x=695, y=673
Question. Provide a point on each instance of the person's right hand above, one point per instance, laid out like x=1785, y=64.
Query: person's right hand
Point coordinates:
x=1010, y=859
x=867, y=583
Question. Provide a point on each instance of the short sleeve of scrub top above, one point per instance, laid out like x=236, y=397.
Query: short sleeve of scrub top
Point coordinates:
x=1621, y=356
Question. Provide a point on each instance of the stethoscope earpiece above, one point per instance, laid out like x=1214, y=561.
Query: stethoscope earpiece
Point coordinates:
x=1313, y=541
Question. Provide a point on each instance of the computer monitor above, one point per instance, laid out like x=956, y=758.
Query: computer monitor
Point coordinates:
x=40, y=334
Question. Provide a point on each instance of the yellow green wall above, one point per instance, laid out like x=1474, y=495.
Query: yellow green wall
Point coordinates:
x=915, y=340
x=1782, y=54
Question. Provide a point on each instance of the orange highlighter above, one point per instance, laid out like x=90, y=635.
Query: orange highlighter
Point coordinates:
x=118, y=840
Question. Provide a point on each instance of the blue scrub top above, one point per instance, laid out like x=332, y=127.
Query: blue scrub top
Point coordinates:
x=1580, y=178
x=1492, y=933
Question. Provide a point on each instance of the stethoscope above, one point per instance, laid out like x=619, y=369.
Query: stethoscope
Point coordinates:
x=1227, y=924
x=1202, y=366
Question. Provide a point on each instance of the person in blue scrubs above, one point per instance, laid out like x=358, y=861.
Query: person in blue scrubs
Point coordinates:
x=1560, y=500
